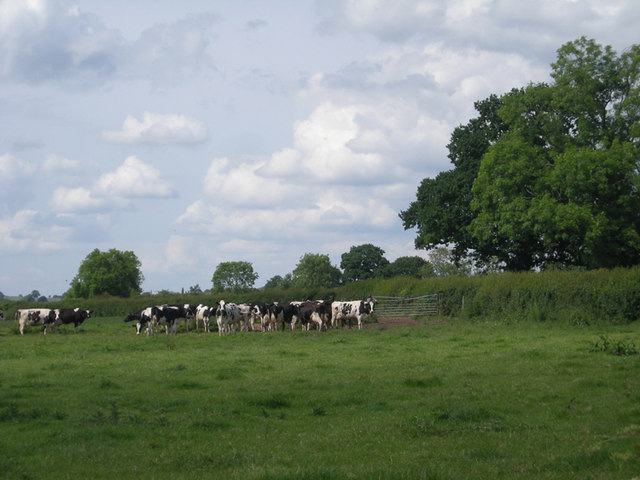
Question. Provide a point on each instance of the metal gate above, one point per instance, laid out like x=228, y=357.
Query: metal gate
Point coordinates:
x=407, y=307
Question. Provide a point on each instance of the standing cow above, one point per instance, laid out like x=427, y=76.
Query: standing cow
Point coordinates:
x=228, y=317
x=315, y=313
x=285, y=313
x=203, y=314
x=143, y=318
x=28, y=317
x=70, y=315
x=357, y=310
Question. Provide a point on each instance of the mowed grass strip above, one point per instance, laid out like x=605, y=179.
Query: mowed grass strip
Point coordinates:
x=446, y=401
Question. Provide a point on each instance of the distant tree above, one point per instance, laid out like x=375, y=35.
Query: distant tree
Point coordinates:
x=362, y=262
x=445, y=263
x=1, y=296
x=315, y=270
x=33, y=296
x=195, y=289
x=233, y=276
x=113, y=272
x=413, y=266
x=278, y=281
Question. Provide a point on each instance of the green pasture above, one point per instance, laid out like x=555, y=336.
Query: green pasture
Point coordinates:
x=451, y=399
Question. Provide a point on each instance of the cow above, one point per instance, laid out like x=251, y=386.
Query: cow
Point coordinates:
x=143, y=318
x=261, y=311
x=189, y=313
x=168, y=316
x=27, y=317
x=228, y=317
x=357, y=310
x=316, y=313
x=203, y=314
x=70, y=315
x=246, y=317
x=284, y=313
x=1, y=315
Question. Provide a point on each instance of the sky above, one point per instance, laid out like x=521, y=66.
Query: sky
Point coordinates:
x=199, y=132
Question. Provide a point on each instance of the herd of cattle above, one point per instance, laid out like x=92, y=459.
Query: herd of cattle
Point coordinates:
x=229, y=317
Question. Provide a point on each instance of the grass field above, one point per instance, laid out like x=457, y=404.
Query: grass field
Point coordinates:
x=448, y=400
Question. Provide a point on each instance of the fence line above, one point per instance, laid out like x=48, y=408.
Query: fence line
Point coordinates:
x=407, y=307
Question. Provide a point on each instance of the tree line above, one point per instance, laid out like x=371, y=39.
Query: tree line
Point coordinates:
x=119, y=274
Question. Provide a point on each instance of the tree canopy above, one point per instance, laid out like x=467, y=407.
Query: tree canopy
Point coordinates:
x=315, y=270
x=113, y=272
x=547, y=174
x=362, y=262
x=233, y=276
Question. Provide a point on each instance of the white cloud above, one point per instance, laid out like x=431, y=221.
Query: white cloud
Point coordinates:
x=76, y=200
x=12, y=168
x=29, y=231
x=171, y=52
x=158, y=128
x=44, y=40
x=114, y=190
x=58, y=164
x=134, y=178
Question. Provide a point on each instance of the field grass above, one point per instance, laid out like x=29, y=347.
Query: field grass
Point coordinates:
x=449, y=400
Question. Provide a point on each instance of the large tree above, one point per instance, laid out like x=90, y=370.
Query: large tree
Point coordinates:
x=362, y=262
x=553, y=176
x=316, y=270
x=233, y=276
x=113, y=272
x=561, y=186
x=442, y=211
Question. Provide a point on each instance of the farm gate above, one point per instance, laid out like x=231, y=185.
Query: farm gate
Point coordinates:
x=407, y=307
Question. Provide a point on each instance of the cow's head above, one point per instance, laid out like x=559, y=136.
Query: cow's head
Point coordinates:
x=370, y=304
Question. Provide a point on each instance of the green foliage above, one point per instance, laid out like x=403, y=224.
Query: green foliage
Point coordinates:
x=561, y=185
x=620, y=347
x=413, y=266
x=362, y=262
x=315, y=270
x=547, y=174
x=445, y=263
x=233, y=276
x=113, y=273
x=278, y=281
x=442, y=212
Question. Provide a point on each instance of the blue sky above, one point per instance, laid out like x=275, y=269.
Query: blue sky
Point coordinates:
x=197, y=132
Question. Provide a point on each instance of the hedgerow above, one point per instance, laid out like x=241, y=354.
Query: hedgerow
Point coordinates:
x=578, y=297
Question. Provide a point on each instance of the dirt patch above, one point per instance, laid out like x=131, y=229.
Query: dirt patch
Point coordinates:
x=384, y=323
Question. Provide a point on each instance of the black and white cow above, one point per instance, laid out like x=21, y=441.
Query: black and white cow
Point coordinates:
x=189, y=312
x=315, y=313
x=228, y=317
x=65, y=316
x=246, y=317
x=167, y=316
x=142, y=319
x=203, y=314
x=357, y=310
x=28, y=317
x=260, y=311
x=1, y=315
x=284, y=313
